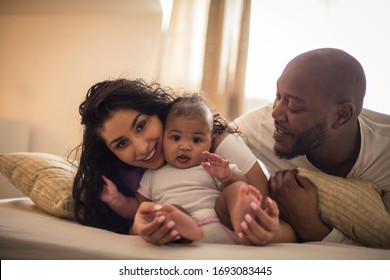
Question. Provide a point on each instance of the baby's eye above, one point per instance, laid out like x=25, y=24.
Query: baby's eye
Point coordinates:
x=176, y=137
x=197, y=140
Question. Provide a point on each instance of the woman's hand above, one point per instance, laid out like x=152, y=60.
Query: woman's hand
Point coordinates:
x=264, y=227
x=152, y=225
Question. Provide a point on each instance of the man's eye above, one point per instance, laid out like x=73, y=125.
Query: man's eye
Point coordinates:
x=295, y=111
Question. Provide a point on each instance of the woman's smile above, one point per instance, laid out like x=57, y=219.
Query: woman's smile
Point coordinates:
x=151, y=154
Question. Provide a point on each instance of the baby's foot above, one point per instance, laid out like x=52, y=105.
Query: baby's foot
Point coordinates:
x=246, y=195
x=185, y=226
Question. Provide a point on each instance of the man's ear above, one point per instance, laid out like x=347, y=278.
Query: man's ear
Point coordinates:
x=345, y=112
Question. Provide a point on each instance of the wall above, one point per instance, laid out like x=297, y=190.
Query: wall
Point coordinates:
x=52, y=52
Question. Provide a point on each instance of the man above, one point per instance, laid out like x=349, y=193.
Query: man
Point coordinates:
x=317, y=122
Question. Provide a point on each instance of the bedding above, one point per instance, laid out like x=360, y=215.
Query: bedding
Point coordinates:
x=41, y=225
x=28, y=232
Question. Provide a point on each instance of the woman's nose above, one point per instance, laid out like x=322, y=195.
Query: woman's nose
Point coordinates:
x=140, y=146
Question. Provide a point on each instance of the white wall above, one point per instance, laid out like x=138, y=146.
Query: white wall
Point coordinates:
x=51, y=54
x=282, y=29
x=14, y=138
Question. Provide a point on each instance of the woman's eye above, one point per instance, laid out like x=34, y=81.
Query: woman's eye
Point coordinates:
x=141, y=126
x=121, y=144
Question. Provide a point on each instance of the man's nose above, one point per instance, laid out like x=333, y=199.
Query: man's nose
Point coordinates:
x=279, y=111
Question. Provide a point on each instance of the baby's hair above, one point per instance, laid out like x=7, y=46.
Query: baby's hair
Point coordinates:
x=189, y=105
x=195, y=106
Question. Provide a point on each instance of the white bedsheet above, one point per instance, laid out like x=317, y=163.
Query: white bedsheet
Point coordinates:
x=26, y=232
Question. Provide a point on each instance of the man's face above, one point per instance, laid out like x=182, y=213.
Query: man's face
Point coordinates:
x=300, y=114
x=289, y=145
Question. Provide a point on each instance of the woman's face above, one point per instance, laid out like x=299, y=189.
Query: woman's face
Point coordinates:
x=135, y=138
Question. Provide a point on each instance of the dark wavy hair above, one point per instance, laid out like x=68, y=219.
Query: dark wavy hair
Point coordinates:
x=95, y=158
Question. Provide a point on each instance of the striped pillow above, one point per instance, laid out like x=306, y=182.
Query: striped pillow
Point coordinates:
x=354, y=207
x=45, y=178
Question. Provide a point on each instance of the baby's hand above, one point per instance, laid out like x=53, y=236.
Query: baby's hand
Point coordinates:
x=216, y=166
x=110, y=191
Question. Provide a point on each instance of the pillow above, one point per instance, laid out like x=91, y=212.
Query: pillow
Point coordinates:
x=45, y=178
x=354, y=207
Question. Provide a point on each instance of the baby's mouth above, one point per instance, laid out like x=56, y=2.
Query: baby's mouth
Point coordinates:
x=183, y=158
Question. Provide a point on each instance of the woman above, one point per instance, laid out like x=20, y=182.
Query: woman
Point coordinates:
x=123, y=130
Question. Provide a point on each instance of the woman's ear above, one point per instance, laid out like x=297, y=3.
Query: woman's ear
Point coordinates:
x=345, y=112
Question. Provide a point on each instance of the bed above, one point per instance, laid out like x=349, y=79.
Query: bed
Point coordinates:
x=40, y=226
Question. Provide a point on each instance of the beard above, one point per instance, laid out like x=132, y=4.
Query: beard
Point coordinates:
x=305, y=142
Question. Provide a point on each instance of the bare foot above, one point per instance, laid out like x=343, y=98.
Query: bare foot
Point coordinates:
x=184, y=224
x=246, y=195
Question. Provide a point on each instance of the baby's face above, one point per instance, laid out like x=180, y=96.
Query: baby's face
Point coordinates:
x=185, y=140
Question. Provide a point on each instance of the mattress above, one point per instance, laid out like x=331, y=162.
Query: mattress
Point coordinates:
x=27, y=232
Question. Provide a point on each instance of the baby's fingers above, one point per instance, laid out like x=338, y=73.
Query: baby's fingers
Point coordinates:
x=108, y=182
x=214, y=158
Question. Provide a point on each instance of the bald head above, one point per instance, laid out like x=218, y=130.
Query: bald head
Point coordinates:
x=333, y=74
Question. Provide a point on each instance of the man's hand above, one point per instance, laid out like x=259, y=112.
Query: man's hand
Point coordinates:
x=298, y=204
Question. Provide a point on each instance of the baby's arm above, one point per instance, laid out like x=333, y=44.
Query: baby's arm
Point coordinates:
x=219, y=168
x=124, y=206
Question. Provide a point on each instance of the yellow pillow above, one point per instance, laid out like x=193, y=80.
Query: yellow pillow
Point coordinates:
x=45, y=178
x=354, y=207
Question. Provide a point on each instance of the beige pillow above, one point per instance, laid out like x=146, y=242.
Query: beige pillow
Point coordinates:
x=45, y=178
x=354, y=207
